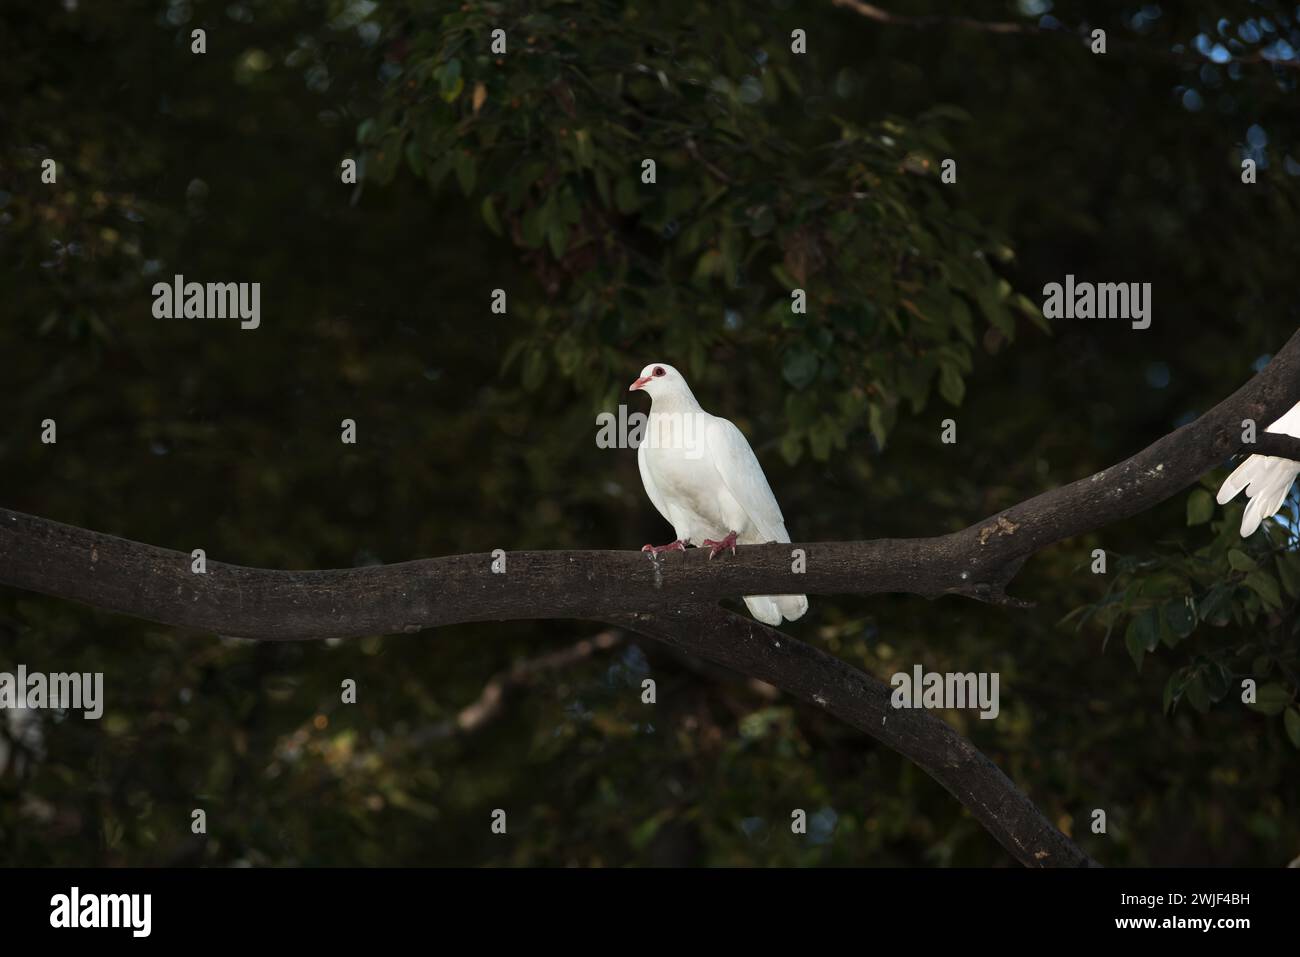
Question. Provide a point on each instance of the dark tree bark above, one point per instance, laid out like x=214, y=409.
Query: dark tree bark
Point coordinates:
x=673, y=598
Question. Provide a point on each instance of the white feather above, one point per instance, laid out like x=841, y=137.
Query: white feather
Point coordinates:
x=1266, y=479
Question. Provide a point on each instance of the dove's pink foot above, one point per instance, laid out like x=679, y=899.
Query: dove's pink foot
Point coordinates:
x=716, y=547
x=677, y=546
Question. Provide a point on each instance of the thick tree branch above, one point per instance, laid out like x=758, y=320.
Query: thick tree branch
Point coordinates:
x=978, y=562
x=1275, y=443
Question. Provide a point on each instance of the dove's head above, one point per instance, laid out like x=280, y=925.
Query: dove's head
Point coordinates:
x=659, y=379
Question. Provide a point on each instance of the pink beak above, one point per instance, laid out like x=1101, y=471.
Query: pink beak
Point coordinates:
x=638, y=383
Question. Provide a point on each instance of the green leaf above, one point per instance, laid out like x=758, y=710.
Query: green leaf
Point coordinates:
x=961, y=319
x=449, y=78
x=414, y=158
x=1270, y=698
x=1215, y=607
x=644, y=832
x=1180, y=616
x=534, y=372
x=1288, y=570
x=533, y=229
x=1216, y=680
x=951, y=386
x=557, y=237
x=490, y=215
x=946, y=111
x=1136, y=650
x=1173, y=691
x=1142, y=635
x=1197, y=695
x=466, y=172
x=440, y=168
x=1291, y=720
x=1265, y=586
x=1240, y=561
x=784, y=278
x=709, y=264
x=995, y=312
x=1200, y=507
x=386, y=158
x=1030, y=309
x=820, y=438
x=625, y=196
x=1148, y=626
x=791, y=448
x=450, y=95
x=876, y=423
x=800, y=366
x=582, y=148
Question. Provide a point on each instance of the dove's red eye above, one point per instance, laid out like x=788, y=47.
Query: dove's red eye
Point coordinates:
x=659, y=370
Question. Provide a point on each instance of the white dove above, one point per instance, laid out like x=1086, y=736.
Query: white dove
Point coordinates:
x=703, y=477
x=1266, y=478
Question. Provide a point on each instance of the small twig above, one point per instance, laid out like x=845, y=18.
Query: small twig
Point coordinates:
x=490, y=703
x=699, y=158
x=873, y=12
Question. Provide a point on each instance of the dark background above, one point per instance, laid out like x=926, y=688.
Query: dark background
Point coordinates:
x=476, y=431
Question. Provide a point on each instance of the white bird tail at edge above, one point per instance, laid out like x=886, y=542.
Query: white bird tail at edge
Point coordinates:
x=769, y=609
x=1266, y=478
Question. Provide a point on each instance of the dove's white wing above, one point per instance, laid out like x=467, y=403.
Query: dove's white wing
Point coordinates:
x=1266, y=478
x=743, y=477
x=738, y=468
x=651, y=489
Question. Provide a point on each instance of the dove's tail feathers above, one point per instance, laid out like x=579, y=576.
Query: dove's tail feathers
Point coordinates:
x=1266, y=480
x=792, y=606
x=770, y=609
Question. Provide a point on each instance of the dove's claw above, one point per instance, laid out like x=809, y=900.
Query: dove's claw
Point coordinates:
x=716, y=547
x=677, y=546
